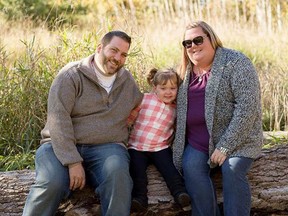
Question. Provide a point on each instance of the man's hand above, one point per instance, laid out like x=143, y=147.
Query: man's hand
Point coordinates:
x=218, y=157
x=77, y=176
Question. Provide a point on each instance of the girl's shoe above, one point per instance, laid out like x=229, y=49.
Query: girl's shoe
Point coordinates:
x=138, y=206
x=183, y=199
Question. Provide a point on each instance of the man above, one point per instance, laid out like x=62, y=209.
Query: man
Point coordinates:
x=85, y=134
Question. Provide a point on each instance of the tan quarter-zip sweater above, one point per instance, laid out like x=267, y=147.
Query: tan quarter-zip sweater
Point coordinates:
x=80, y=111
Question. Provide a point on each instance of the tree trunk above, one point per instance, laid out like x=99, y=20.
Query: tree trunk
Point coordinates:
x=268, y=177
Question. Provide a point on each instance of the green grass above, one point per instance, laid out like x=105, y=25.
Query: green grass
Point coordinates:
x=272, y=139
x=29, y=64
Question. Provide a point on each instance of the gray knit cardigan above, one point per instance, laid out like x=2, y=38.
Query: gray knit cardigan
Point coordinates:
x=232, y=107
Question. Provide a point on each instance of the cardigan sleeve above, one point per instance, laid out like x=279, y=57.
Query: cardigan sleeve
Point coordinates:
x=246, y=90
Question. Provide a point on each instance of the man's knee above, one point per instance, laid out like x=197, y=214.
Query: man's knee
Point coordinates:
x=115, y=163
x=52, y=185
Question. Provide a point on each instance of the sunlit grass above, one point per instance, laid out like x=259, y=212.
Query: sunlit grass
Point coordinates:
x=31, y=57
x=272, y=139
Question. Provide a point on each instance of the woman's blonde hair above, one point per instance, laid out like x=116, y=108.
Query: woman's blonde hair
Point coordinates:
x=214, y=39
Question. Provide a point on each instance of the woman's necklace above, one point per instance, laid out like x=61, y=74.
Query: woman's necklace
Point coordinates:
x=199, y=74
x=200, y=77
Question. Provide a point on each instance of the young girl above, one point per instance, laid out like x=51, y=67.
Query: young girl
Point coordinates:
x=151, y=137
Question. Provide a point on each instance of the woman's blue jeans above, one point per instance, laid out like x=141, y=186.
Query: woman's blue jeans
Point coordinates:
x=106, y=167
x=236, y=189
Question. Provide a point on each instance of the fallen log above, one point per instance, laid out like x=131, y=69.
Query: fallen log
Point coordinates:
x=268, y=177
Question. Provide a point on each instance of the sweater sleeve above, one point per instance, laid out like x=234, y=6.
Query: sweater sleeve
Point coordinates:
x=246, y=89
x=133, y=115
x=61, y=101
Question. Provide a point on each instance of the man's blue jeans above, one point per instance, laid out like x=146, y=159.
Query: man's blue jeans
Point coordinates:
x=106, y=167
x=236, y=189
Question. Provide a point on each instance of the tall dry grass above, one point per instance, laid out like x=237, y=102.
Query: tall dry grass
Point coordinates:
x=30, y=58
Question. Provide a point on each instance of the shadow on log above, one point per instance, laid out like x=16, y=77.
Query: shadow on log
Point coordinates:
x=268, y=177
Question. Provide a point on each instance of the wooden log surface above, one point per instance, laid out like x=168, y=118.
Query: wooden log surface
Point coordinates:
x=268, y=178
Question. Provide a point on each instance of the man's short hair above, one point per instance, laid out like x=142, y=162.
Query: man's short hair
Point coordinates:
x=108, y=37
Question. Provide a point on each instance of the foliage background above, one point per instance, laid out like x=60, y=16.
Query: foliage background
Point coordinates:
x=38, y=37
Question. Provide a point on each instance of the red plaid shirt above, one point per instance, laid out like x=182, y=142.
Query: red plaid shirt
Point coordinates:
x=154, y=124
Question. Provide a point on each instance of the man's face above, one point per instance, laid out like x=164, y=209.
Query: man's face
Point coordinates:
x=112, y=57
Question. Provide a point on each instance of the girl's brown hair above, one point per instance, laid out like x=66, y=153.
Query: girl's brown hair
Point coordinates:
x=161, y=77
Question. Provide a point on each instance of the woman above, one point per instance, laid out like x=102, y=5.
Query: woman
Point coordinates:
x=218, y=122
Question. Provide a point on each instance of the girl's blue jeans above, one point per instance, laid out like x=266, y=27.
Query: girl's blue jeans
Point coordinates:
x=236, y=189
x=106, y=167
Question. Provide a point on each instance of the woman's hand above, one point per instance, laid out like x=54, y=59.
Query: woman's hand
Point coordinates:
x=77, y=176
x=218, y=157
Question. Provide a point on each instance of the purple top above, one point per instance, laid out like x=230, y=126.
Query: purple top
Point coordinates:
x=196, y=129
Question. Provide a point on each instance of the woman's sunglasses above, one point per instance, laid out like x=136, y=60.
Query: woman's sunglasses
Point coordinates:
x=197, y=41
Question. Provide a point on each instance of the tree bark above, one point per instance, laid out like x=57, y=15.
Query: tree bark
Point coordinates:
x=268, y=178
